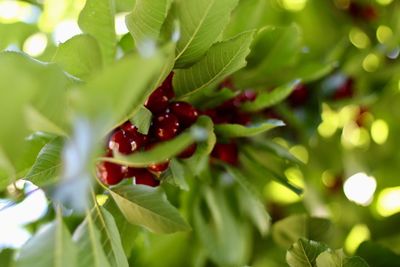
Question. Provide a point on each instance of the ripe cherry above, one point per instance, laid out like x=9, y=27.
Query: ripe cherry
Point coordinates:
x=159, y=167
x=246, y=95
x=147, y=178
x=345, y=90
x=165, y=126
x=167, y=86
x=185, y=112
x=242, y=118
x=138, y=140
x=299, y=96
x=188, y=152
x=121, y=142
x=157, y=101
x=226, y=152
x=110, y=173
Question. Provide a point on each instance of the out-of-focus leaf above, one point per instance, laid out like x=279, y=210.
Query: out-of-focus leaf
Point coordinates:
x=87, y=238
x=142, y=120
x=15, y=33
x=238, y=130
x=47, y=166
x=304, y=253
x=276, y=149
x=268, y=99
x=178, y=174
x=285, y=232
x=201, y=22
x=97, y=19
x=79, y=56
x=377, y=255
x=221, y=60
x=6, y=257
x=53, y=239
x=148, y=207
x=339, y=259
x=146, y=20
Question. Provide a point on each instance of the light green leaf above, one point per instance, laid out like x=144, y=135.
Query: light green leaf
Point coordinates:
x=276, y=149
x=339, y=259
x=237, y=130
x=97, y=19
x=110, y=237
x=146, y=20
x=202, y=22
x=304, y=253
x=47, y=166
x=51, y=246
x=79, y=56
x=142, y=120
x=252, y=199
x=15, y=33
x=37, y=121
x=119, y=91
x=148, y=207
x=268, y=99
x=88, y=240
x=178, y=174
x=221, y=60
x=286, y=231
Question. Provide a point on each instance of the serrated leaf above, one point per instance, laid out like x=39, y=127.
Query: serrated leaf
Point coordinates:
x=268, y=99
x=97, y=19
x=88, y=240
x=253, y=200
x=47, y=166
x=147, y=18
x=110, y=237
x=339, y=259
x=286, y=231
x=221, y=60
x=116, y=93
x=79, y=56
x=237, y=130
x=51, y=246
x=142, y=120
x=148, y=207
x=202, y=22
x=304, y=253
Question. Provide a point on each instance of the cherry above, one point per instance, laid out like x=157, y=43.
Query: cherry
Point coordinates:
x=159, y=167
x=345, y=90
x=122, y=143
x=226, y=152
x=138, y=140
x=246, y=95
x=110, y=173
x=227, y=83
x=147, y=178
x=157, y=101
x=188, y=152
x=167, y=86
x=165, y=126
x=364, y=12
x=242, y=118
x=299, y=96
x=185, y=112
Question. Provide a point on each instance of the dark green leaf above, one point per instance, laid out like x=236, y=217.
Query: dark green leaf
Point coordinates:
x=238, y=130
x=304, y=253
x=221, y=60
x=148, y=207
x=6, y=257
x=79, y=56
x=377, y=255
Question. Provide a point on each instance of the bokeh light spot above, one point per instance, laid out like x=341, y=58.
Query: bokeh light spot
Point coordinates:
x=358, y=234
x=358, y=38
x=371, y=62
x=389, y=201
x=379, y=131
x=360, y=188
x=384, y=2
x=300, y=152
x=293, y=5
x=384, y=34
x=35, y=44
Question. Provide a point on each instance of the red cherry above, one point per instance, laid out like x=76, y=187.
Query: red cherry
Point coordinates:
x=243, y=118
x=157, y=101
x=299, y=96
x=167, y=86
x=369, y=13
x=147, y=178
x=227, y=83
x=165, y=126
x=185, y=112
x=160, y=167
x=188, y=152
x=138, y=140
x=345, y=90
x=132, y=172
x=121, y=142
x=110, y=173
x=226, y=152
x=246, y=95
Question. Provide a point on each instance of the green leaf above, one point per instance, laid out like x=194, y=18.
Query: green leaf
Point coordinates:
x=238, y=130
x=276, y=149
x=114, y=95
x=6, y=257
x=50, y=246
x=274, y=49
x=339, y=259
x=148, y=207
x=377, y=255
x=221, y=60
x=202, y=22
x=97, y=19
x=178, y=173
x=267, y=99
x=252, y=199
x=304, y=253
x=286, y=231
x=110, y=237
x=142, y=120
x=79, y=56
x=146, y=20
x=47, y=166
x=88, y=240
x=15, y=33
